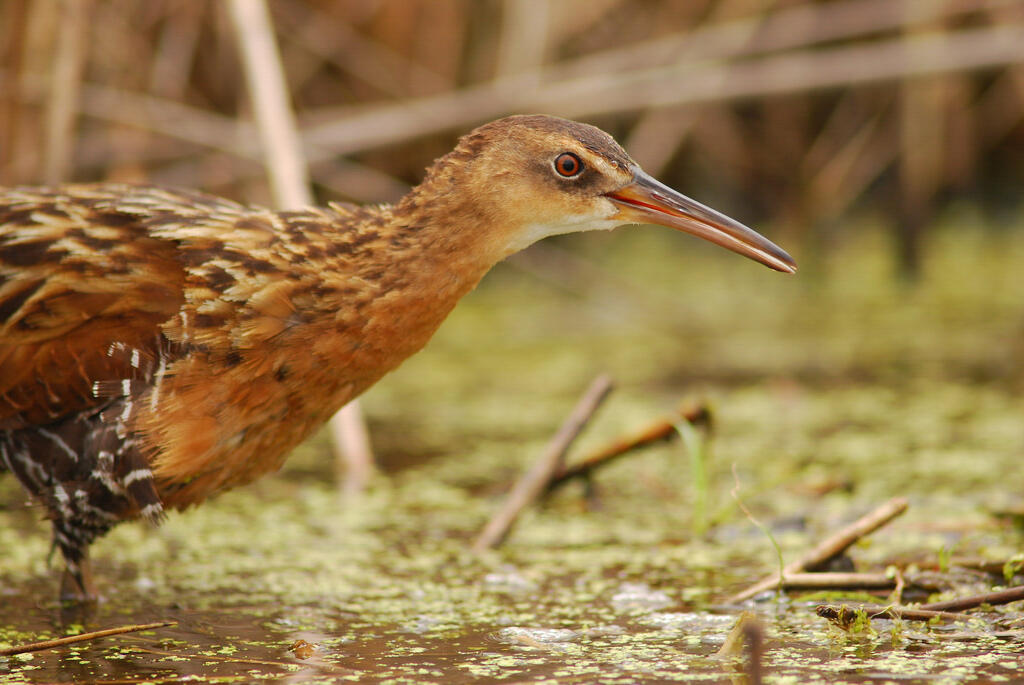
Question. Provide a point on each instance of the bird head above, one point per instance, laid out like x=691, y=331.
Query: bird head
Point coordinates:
x=535, y=176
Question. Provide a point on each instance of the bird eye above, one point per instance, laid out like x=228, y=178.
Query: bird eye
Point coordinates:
x=567, y=164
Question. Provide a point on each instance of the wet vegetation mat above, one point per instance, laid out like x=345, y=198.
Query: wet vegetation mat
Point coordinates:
x=831, y=394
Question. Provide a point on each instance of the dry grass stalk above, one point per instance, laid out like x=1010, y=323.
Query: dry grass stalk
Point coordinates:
x=758, y=51
x=65, y=83
x=275, y=121
x=289, y=179
x=587, y=96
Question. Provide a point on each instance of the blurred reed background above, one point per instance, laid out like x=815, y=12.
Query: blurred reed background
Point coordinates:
x=788, y=111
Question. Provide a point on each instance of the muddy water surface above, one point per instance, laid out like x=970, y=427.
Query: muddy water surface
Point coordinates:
x=831, y=395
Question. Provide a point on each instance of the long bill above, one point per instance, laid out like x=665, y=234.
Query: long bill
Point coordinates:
x=648, y=201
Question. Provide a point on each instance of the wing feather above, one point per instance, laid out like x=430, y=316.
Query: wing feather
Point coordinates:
x=81, y=286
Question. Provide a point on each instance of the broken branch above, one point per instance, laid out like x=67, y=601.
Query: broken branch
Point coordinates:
x=832, y=546
x=992, y=598
x=83, y=637
x=662, y=429
x=533, y=482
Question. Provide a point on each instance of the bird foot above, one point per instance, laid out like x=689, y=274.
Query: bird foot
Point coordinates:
x=77, y=587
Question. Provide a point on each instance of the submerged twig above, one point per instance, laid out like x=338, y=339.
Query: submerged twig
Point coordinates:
x=964, y=636
x=844, y=614
x=753, y=631
x=533, y=482
x=732, y=646
x=746, y=631
x=1012, y=594
x=662, y=429
x=238, y=660
x=830, y=547
x=83, y=637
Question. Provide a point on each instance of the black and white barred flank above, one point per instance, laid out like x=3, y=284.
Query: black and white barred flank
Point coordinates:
x=87, y=469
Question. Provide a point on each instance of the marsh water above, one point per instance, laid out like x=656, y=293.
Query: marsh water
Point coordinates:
x=832, y=392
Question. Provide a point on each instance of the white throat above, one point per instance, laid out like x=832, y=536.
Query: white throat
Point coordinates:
x=531, y=233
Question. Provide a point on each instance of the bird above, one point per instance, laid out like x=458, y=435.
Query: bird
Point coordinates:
x=159, y=346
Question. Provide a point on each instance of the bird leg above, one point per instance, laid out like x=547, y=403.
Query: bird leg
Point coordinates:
x=76, y=584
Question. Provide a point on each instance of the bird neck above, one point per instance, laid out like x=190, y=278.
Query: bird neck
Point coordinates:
x=382, y=279
x=454, y=217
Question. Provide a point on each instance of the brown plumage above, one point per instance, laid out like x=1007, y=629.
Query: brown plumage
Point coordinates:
x=158, y=346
